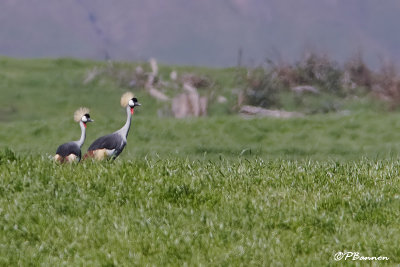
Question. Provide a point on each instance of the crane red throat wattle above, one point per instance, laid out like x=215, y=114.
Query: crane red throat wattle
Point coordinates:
x=132, y=111
x=84, y=124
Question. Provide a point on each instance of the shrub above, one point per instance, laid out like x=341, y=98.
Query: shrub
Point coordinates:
x=319, y=70
x=358, y=72
x=262, y=88
x=386, y=84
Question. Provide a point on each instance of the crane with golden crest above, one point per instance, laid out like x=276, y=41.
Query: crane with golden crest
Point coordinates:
x=71, y=151
x=110, y=146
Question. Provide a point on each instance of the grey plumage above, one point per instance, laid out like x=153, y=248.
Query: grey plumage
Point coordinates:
x=109, y=142
x=69, y=148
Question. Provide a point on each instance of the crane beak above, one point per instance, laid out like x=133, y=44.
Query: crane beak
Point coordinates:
x=90, y=120
x=132, y=108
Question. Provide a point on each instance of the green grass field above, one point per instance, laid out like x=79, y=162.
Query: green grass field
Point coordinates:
x=221, y=190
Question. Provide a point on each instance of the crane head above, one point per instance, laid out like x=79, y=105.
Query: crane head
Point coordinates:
x=82, y=115
x=133, y=103
x=86, y=118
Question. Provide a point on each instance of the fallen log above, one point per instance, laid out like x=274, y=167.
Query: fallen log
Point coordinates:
x=258, y=111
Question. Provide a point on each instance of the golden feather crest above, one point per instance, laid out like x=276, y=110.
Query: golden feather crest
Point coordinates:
x=79, y=113
x=125, y=98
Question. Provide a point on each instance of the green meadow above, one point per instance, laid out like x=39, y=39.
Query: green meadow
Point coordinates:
x=220, y=190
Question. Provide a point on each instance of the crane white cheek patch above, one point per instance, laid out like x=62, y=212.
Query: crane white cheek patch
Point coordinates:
x=131, y=103
x=84, y=119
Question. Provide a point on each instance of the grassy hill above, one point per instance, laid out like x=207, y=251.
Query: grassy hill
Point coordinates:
x=40, y=96
x=221, y=190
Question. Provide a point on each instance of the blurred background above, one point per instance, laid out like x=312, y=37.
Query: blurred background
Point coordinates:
x=317, y=78
x=208, y=33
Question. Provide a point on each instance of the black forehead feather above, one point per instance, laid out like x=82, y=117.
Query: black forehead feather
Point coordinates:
x=134, y=99
x=87, y=115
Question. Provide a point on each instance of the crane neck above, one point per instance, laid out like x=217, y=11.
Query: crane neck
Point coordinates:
x=125, y=129
x=83, y=134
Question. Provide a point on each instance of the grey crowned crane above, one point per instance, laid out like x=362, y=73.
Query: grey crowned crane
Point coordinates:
x=71, y=151
x=110, y=146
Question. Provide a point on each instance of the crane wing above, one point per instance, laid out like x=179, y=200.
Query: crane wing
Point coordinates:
x=69, y=148
x=111, y=141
